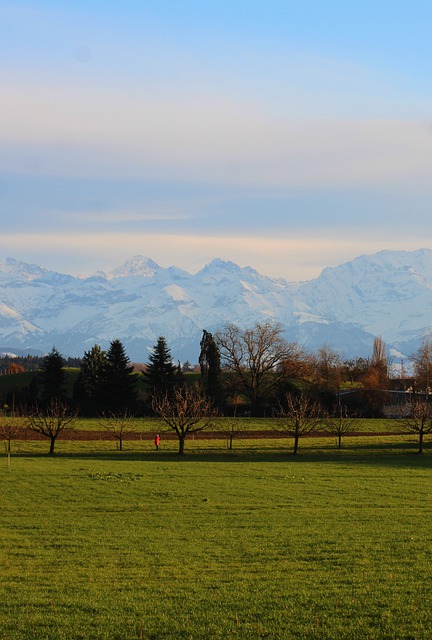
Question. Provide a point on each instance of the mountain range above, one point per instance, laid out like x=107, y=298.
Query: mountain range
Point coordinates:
x=387, y=294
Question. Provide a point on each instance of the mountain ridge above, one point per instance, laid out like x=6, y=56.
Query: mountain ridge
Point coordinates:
x=388, y=293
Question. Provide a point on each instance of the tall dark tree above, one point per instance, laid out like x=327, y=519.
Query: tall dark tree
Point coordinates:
x=89, y=391
x=161, y=372
x=120, y=384
x=210, y=364
x=52, y=377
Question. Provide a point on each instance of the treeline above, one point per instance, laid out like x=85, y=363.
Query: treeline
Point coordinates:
x=242, y=372
x=20, y=364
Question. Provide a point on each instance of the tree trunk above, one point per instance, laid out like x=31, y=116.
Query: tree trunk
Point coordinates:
x=340, y=441
x=181, y=445
x=420, y=442
x=52, y=445
x=296, y=441
x=231, y=441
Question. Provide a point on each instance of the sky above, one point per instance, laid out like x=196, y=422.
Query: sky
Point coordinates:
x=284, y=135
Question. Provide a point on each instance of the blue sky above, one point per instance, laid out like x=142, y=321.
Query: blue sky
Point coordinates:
x=287, y=136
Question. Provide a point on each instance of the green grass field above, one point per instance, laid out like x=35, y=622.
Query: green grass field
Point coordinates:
x=253, y=543
x=150, y=425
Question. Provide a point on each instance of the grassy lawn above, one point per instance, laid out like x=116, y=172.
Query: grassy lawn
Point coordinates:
x=151, y=425
x=253, y=543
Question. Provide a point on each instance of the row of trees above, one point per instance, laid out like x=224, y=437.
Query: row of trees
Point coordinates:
x=188, y=411
x=242, y=370
x=249, y=367
x=10, y=364
x=105, y=382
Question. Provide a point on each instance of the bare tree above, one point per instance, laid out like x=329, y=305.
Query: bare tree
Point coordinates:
x=298, y=364
x=376, y=376
x=185, y=411
x=340, y=423
x=355, y=368
x=11, y=428
x=422, y=360
x=379, y=357
x=254, y=356
x=298, y=416
x=51, y=421
x=232, y=427
x=118, y=425
x=418, y=420
x=328, y=367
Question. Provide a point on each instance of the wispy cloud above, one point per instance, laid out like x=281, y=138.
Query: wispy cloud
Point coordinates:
x=204, y=140
x=276, y=138
x=122, y=217
x=204, y=137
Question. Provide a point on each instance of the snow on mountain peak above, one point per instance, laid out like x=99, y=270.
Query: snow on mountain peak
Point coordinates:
x=388, y=293
x=21, y=269
x=219, y=266
x=218, y=263
x=136, y=266
x=177, y=293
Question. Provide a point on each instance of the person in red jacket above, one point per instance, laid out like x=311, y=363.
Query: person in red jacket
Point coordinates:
x=156, y=441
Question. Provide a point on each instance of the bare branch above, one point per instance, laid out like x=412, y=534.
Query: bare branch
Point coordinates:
x=298, y=416
x=422, y=361
x=52, y=421
x=185, y=411
x=418, y=419
x=118, y=425
x=254, y=356
x=340, y=423
x=232, y=427
x=11, y=428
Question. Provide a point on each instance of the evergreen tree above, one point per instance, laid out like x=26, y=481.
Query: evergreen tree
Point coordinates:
x=120, y=385
x=89, y=392
x=161, y=372
x=209, y=361
x=52, y=377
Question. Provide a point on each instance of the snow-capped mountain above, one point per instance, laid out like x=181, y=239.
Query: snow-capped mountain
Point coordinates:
x=387, y=294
